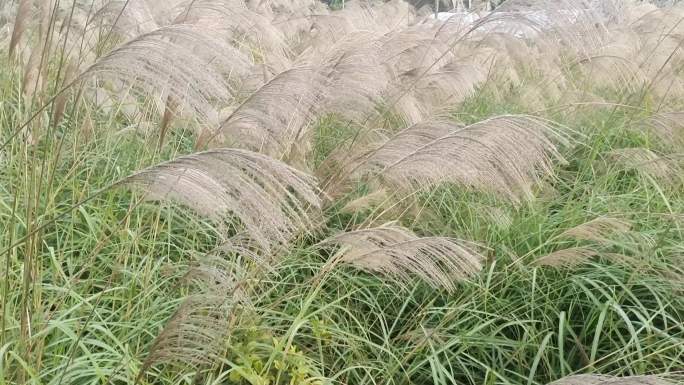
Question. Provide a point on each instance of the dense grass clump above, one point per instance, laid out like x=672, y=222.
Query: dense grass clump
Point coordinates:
x=289, y=192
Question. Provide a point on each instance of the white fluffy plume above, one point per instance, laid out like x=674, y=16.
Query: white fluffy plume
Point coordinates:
x=267, y=198
x=506, y=155
x=179, y=61
x=399, y=253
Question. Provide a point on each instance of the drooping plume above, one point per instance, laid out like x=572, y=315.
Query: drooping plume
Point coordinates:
x=599, y=233
x=507, y=155
x=20, y=24
x=567, y=257
x=354, y=74
x=267, y=198
x=181, y=61
x=274, y=119
x=598, y=230
x=196, y=333
x=400, y=254
x=126, y=18
x=647, y=163
x=667, y=127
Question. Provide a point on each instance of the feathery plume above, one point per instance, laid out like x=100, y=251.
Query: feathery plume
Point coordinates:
x=275, y=118
x=414, y=49
x=668, y=127
x=566, y=257
x=613, y=71
x=408, y=107
x=23, y=14
x=598, y=230
x=181, y=61
x=576, y=24
x=126, y=18
x=270, y=199
x=196, y=333
x=647, y=163
x=506, y=155
x=449, y=85
x=252, y=31
x=61, y=99
x=244, y=248
x=353, y=72
x=33, y=79
x=35, y=71
x=494, y=215
x=367, y=201
x=399, y=253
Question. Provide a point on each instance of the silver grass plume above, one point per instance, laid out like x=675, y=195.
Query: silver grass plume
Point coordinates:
x=243, y=248
x=427, y=74
x=667, y=127
x=647, y=163
x=449, y=85
x=126, y=18
x=578, y=25
x=321, y=28
x=35, y=69
x=20, y=24
x=269, y=199
x=61, y=100
x=414, y=49
x=375, y=198
x=567, y=257
x=612, y=70
x=181, y=61
x=379, y=17
x=255, y=32
x=274, y=120
x=195, y=335
x=598, y=230
x=399, y=253
x=507, y=155
x=355, y=17
x=354, y=74
x=283, y=6
x=657, y=34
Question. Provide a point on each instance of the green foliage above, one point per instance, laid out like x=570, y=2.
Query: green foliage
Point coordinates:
x=89, y=275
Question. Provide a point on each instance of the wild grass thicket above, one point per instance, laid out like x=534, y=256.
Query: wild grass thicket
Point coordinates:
x=359, y=195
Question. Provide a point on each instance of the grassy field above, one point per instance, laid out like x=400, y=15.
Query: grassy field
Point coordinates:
x=277, y=192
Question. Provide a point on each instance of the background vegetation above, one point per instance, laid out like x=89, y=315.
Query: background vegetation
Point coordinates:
x=275, y=192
